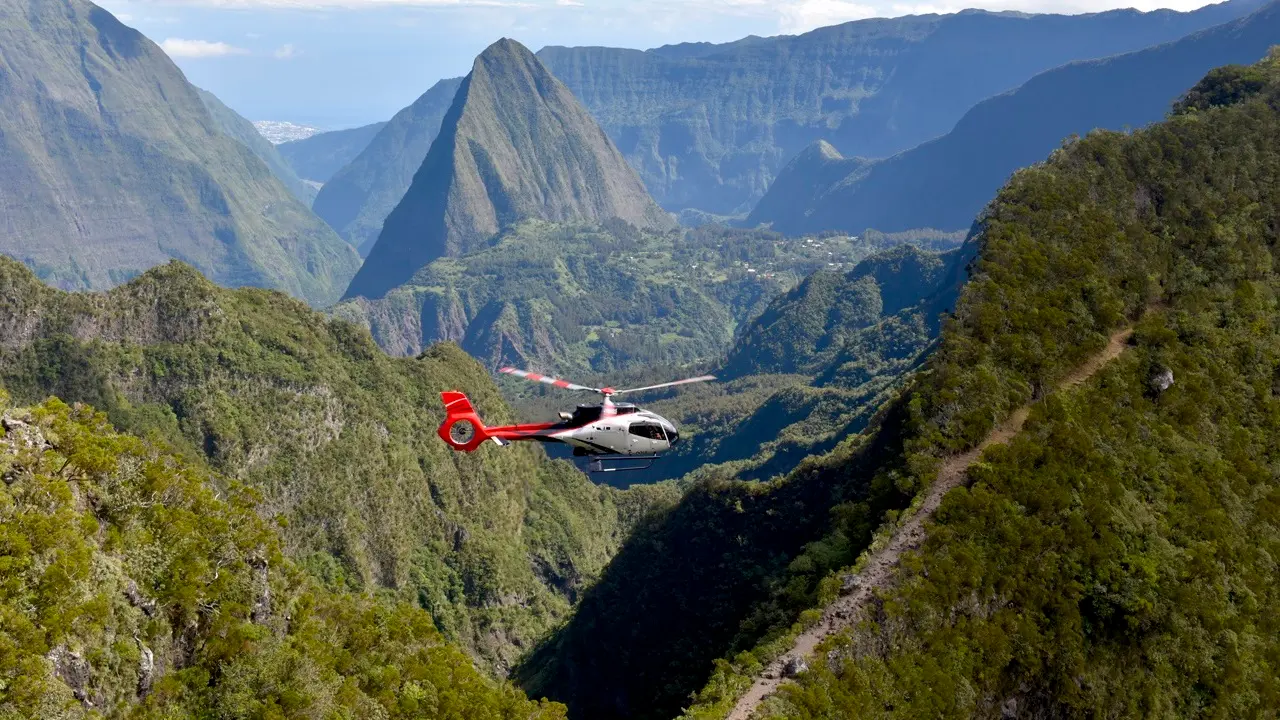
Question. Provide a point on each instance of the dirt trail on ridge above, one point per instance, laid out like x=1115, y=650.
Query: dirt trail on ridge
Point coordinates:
x=879, y=569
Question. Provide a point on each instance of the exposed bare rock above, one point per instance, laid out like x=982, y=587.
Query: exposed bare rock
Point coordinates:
x=794, y=666
x=73, y=670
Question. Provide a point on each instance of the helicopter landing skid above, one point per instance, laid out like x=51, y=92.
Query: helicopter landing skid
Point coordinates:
x=598, y=464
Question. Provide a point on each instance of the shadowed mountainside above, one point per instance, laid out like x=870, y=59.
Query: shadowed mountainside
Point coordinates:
x=243, y=132
x=358, y=197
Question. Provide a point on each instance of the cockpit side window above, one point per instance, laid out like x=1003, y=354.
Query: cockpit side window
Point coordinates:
x=645, y=430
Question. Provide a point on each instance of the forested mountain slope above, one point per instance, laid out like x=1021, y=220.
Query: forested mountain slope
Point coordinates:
x=1097, y=534
x=946, y=182
x=338, y=439
x=137, y=583
x=111, y=164
x=1116, y=557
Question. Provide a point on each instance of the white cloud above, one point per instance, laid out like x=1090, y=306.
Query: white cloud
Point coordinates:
x=177, y=47
x=568, y=3
x=287, y=52
x=806, y=15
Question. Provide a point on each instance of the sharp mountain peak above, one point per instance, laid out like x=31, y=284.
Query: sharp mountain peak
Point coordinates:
x=515, y=145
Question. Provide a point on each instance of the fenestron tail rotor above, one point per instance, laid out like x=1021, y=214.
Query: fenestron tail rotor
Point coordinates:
x=607, y=392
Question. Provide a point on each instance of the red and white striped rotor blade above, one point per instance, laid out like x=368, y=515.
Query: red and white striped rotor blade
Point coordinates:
x=701, y=378
x=535, y=377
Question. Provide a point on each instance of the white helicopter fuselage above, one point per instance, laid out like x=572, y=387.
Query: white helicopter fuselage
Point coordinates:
x=638, y=432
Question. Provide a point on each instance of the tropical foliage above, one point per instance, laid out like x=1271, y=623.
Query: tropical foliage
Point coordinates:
x=135, y=583
x=1063, y=583
x=1116, y=558
x=337, y=437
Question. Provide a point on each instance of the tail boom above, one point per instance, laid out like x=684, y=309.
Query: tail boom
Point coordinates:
x=458, y=409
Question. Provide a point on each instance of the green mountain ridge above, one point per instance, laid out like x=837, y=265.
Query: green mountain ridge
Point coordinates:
x=111, y=164
x=944, y=183
x=1116, y=557
x=515, y=145
x=337, y=438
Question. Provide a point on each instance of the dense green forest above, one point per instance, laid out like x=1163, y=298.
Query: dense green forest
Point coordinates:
x=814, y=366
x=1116, y=558
x=584, y=300
x=736, y=560
x=338, y=438
x=135, y=583
x=1123, y=546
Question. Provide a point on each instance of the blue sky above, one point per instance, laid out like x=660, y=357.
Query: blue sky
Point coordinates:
x=342, y=63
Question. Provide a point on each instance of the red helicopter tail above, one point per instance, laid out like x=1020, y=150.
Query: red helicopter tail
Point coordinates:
x=458, y=414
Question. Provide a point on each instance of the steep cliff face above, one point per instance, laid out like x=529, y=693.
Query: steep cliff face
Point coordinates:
x=111, y=164
x=242, y=131
x=709, y=126
x=515, y=145
x=945, y=183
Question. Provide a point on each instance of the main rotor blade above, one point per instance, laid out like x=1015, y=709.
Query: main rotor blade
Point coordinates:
x=702, y=378
x=535, y=377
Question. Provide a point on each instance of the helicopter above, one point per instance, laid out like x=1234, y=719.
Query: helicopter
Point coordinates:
x=614, y=436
